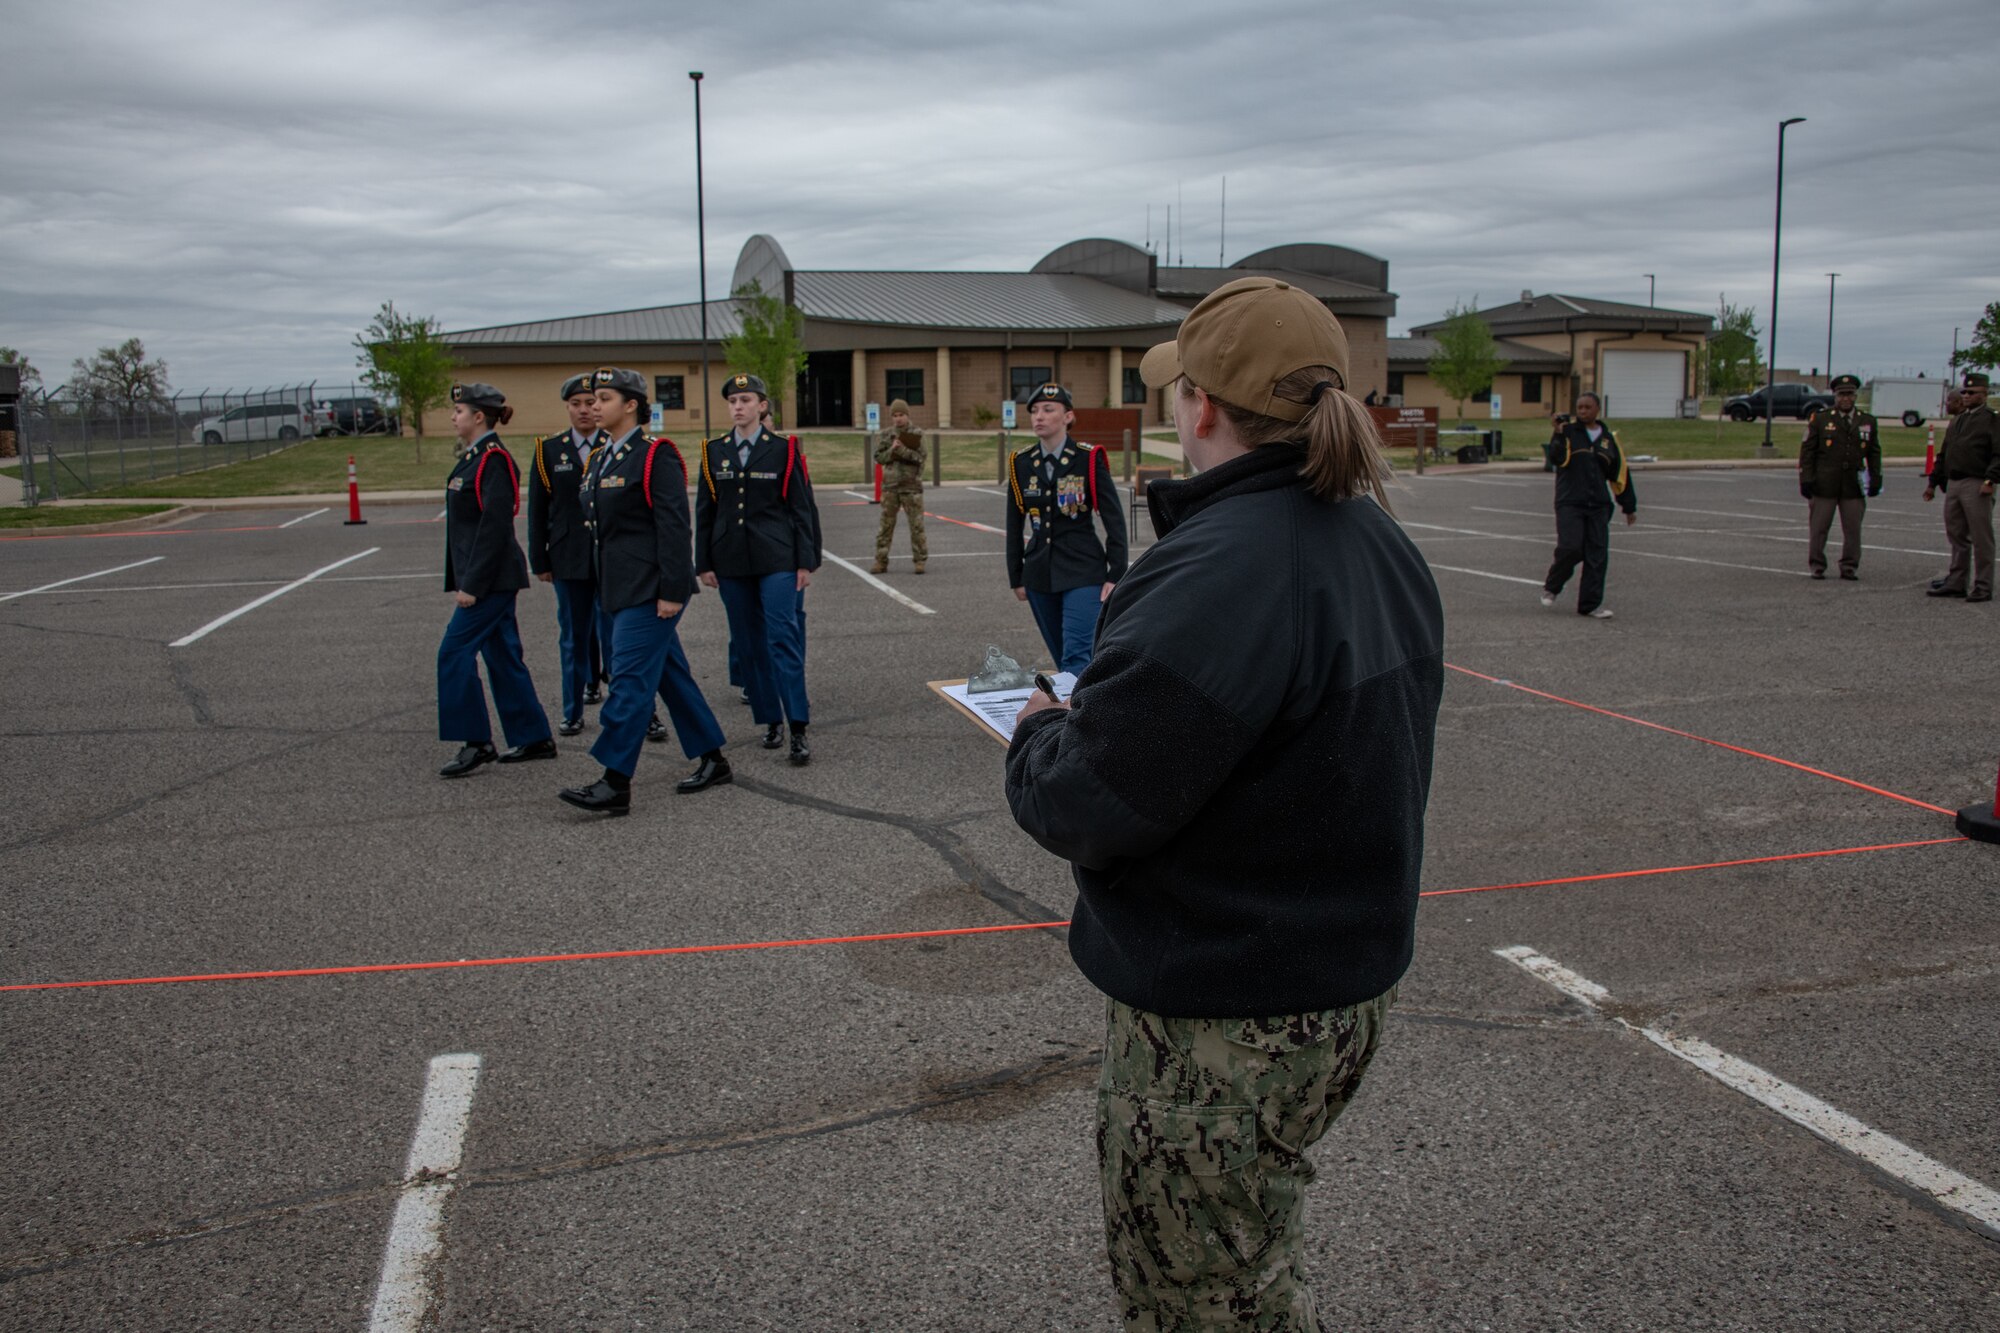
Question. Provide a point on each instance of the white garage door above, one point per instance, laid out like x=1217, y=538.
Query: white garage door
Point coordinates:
x=1643, y=384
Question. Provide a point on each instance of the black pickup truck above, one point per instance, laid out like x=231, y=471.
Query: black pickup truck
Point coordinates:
x=1787, y=400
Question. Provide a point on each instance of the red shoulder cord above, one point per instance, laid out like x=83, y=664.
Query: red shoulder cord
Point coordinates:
x=513, y=477
x=646, y=481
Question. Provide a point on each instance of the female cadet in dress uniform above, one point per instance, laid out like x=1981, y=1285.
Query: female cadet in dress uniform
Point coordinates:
x=1055, y=563
x=755, y=539
x=635, y=496
x=560, y=549
x=484, y=567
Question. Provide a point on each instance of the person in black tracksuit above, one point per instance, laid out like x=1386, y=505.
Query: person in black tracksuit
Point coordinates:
x=756, y=539
x=1060, y=490
x=1590, y=472
x=635, y=496
x=560, y=548
x=485, y=571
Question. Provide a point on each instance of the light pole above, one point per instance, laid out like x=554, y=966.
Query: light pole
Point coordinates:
x=1649, y=288
x=1829, y=326
x=1766, y=450
x=1951, y=366
x=701, y=249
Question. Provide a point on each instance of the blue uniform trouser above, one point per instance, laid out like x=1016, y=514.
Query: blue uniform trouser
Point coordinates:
x=576, y=620
x=600, y=646
x=764, y=620
x=486, y=629
x=646, y=659
x=1068, y=622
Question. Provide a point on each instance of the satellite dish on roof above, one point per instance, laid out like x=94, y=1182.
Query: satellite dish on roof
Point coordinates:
x=762, y=261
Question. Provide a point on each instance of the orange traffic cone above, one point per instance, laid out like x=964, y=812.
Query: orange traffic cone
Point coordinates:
x=354, y=518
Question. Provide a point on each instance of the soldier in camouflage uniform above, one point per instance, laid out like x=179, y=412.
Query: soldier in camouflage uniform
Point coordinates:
x=900, y=451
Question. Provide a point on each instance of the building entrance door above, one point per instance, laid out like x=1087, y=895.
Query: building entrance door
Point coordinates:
x=825, y=388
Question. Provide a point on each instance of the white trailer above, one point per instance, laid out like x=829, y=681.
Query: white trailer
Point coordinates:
x=1911, y=401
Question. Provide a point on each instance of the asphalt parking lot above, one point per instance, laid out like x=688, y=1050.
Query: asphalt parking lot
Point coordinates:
x=894, y=1134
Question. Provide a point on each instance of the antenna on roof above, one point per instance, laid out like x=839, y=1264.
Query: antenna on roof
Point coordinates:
x=1527, y=297
x=1182, y=249
x=1222, y=231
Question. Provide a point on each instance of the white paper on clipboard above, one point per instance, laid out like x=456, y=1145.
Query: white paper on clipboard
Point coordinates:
x=997, y=710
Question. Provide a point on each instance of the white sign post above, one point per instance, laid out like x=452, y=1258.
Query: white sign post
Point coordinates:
x=658, y=422
x=1493, y=408
x=1007, y=415
x=874, y=417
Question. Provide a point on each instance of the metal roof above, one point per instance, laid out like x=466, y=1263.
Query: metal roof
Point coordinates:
x=1202, y=281
x=998, y=301
x=1417, y=351
x=1553, y=309
x=652, y=324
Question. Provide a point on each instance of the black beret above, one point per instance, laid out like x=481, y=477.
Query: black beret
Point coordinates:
x=1975, y=380
x=1053, y=393
x=1846, y=383
x=575, y=385
x=745, y=384
x=478, y=395
x=627, y=382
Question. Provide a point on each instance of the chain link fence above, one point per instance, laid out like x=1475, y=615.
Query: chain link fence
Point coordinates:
x=71, y=447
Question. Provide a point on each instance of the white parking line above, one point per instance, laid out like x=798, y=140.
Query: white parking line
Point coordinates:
x=859, y=496
x=408, y=1284
x=878, y=585
x=64, y=583
x=271, y=596
x=302, y=518
x=1489, y=574
x=1965, y=1196
x=984, y=491
x=1625, y=550
x=261, y=583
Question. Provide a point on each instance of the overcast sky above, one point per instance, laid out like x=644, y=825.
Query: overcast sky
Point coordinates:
x=241, y=185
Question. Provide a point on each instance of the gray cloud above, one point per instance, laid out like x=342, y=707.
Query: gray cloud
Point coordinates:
x=242, y=184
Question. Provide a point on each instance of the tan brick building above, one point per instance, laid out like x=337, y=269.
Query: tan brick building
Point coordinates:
x=955, y=345
x=1641, y=360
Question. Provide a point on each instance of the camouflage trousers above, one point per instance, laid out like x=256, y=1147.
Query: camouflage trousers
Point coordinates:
x=893, y=503
x=1202, y=1131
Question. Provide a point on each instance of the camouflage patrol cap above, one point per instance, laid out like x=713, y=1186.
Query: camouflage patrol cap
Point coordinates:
x=1244, y=338
x=478, y=395
x=1053, y=393
x=627, y=382
x=1846, y=383
x=1975, y=379
x=741, y=383
x=575, y=385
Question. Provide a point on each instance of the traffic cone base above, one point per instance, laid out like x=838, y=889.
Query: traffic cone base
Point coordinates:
x=1980, y=823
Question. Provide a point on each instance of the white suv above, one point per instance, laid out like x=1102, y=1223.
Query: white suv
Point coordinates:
x=259, y=421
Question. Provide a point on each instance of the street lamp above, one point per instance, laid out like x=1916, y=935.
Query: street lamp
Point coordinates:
x=1829, y=326
x=1649, y=287
x=1777, y=234
x=701, y=249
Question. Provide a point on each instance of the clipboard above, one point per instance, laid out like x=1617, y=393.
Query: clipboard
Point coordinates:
x=999, y=721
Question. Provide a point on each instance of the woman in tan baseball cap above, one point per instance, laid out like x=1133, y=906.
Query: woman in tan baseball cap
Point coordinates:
x=1273, y=361
x=1239, y=781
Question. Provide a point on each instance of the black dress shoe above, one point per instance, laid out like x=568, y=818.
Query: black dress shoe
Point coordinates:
x=773, y=736
x=1819, y=573
x=801, y=752
x=656, y=730
x=469, y=758
x=593, y=693
x=1849, y=576
x=711, y=773
x=743, y=697
x=1945, y=592
x=1979, y=597
x=599, y=797
x=570, y=726
x=521, y=754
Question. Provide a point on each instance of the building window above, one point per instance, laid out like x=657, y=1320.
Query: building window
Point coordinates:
x=907, y=385
x=1396, y=383
x=1135, y=387
x=1024, y=380
x=670, y=392
x=1531, y=388
x=1485, y=395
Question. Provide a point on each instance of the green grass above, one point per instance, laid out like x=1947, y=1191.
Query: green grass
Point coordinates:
x=43, y=516
x=317, y=467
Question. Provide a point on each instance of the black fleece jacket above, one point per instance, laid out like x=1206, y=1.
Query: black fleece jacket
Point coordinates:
x=1240, y=781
